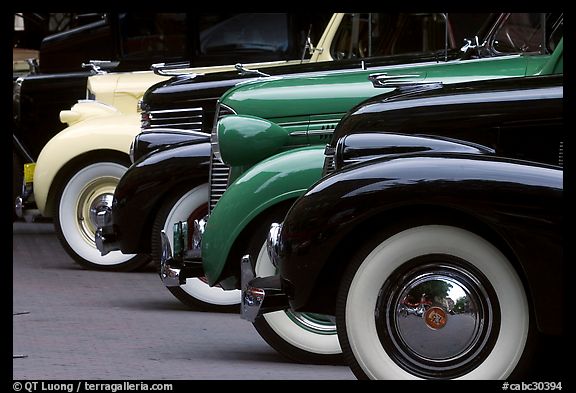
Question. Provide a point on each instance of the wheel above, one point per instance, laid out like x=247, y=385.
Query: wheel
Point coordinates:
x=17, y=179
x=78, y=198
x=300, y=337
x=191, y=205
x=474, y=319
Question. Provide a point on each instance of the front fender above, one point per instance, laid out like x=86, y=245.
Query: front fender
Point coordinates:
x=86, y=110
x=114, y=132
x=146, y=183
x=279, y=178
x=516, y=204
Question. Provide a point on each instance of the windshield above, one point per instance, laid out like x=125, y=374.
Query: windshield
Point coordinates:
x=528, y=33
x=383, y=34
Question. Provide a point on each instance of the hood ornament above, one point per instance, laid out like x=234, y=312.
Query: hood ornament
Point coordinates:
x=245, y=71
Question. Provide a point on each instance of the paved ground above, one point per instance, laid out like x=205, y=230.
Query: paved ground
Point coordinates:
x=75, y=324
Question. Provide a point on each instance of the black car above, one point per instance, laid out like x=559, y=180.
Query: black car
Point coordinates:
x=436, y=238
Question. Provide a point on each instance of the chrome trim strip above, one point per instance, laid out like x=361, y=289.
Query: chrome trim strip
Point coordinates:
x=197, y=109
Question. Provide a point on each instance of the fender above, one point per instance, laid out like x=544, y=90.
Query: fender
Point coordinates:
x=85, y=110
x=282, y=177
x=122, y=90
x=517, y=203
x=287, y=175
x=149, y=141
x=114, y=132
x=145, y=184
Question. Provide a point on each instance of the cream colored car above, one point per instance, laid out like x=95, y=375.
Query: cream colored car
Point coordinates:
x=78, y=169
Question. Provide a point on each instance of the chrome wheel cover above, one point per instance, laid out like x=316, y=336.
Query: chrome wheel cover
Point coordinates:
x=437, y=316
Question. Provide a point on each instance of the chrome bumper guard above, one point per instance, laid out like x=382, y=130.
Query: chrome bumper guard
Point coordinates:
x=174, y=270
x=105, y=236
x=260, y=295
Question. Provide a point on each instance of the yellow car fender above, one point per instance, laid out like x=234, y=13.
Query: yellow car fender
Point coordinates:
x=114, y=132
x=85, y=110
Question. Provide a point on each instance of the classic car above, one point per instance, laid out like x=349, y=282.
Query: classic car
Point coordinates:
x=435, y=239
x=306, y=116
x=268, y=172
x=132, y=42
x=79, y=167
x=148, y=193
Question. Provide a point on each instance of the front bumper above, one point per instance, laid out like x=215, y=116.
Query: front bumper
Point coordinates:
x=106, y=236
x=176, y=268
x=260, y=295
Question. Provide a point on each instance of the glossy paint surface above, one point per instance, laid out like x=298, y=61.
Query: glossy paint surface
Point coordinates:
x=241, y=202
x=151, y=140
x=315, y=89
x=518, y=202
x=142, y=187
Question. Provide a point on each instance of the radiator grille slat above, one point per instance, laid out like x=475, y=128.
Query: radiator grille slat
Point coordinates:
x=219, y=172
x=184, y=119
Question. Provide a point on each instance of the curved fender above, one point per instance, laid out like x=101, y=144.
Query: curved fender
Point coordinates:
x=519, y=201
x=123, y=89
x=86, y=110
x=114, y=132
x=146, y=183
x=281, y=177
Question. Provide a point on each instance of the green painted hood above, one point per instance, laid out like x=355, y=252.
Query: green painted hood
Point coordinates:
x=300, y=96
x=330, y=93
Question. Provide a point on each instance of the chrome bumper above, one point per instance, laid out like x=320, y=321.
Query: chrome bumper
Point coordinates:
x=260, y=295
x=105, y=236
x=170, y=275
x=174, y=270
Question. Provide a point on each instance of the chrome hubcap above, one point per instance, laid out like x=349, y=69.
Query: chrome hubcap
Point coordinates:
x=93, y=201
x=437, y=318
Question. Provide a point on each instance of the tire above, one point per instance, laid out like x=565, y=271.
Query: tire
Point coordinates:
x=196, y=293
x=299, y=337
x=482, y=334
x=17, y=179
x=92, y=183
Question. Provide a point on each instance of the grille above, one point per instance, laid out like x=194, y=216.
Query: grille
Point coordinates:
x=329, y=166
x=219, y=172
x=561, y=154
x=184, y=119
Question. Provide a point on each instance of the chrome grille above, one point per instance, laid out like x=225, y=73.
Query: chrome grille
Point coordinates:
x=329, y=165
x=219, y=174
x=185, y=119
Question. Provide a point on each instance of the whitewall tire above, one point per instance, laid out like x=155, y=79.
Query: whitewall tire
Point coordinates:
x=432, y=301
x=301, y=337
x=87, y=190
x=196, y=292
